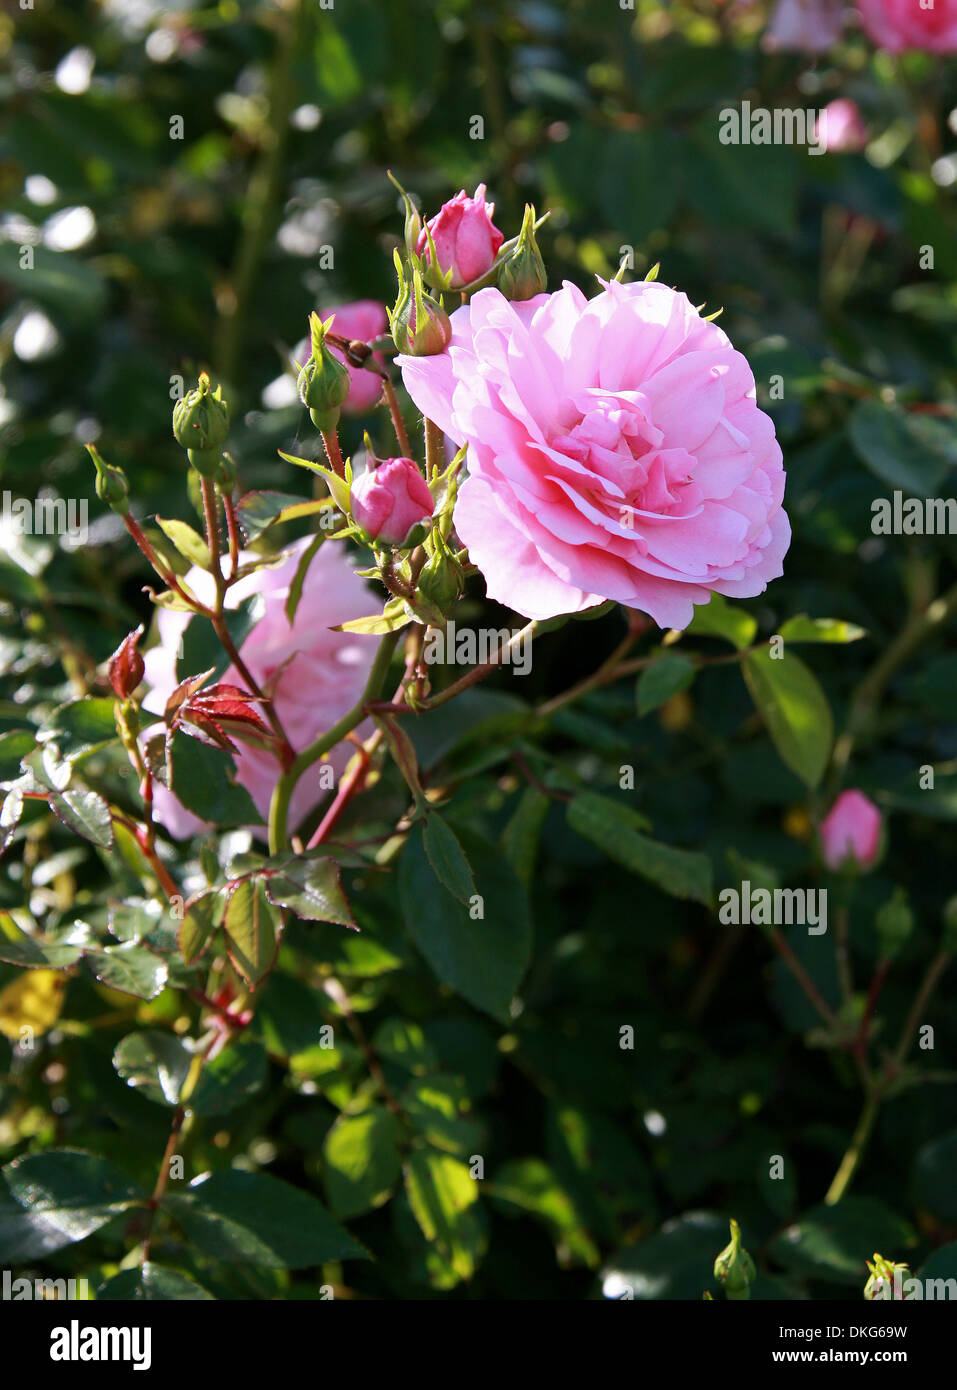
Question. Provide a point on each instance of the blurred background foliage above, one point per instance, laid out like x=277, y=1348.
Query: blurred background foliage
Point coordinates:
x=180, y=173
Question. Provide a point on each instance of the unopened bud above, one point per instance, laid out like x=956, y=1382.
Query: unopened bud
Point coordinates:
x=127, y=666
x=882, y=1283
x=734, y=1267
x=420, y=326
x=523, y=275
x=894, y=924
x=201, y=424
x=441, y=581
x=324, y=380
x=112, y=486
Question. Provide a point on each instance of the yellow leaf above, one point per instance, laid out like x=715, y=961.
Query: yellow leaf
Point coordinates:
x=34, y=1001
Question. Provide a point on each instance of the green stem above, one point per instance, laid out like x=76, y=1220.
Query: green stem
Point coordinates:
x=282, y=795
x=855, y=1150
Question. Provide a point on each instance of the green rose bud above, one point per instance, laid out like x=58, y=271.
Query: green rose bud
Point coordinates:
x=201, y=424
x=441, y=581
x=112, y=486
x=894, y=924
x=324, y=380
x=881, y=1284
x=419, y=324
x=734, y=1267
x=523, y=274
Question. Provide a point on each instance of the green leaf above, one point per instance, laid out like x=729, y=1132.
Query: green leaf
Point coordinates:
x=130, y=968
x=14, y=745
x=942, y=1264
x=201, y=920
x=311, y=889
x=674, y=1263
x=150, y=1281
x=187, y=541
x=299, y=578
x=520, y=838
x=393, y=617
x=233, y=1075
x=10, y=813
x=155, y=1063
x=529, y=1186
x=85, y=813
x=34, y=953
x=437, y=1107
x=204, y=780
x=668, y=675
x=719, y=618
x=833, y=1242
x=482, y=957
x=338, y=487
x=252, y=928
x=616, y=829
x=795, y=709
x=361, y=1161
x=259, y=510
x=80, y=726
x=403, y=1042
x=448, y=858
x=933, y=1179
x=69, y=1192
x=441, y=1193
x=248, y=1217
x=804, y=629
x=911, y=452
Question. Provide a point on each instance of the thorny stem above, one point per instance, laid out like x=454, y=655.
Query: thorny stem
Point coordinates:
x=398, y=424
x=815, y=998
x=330, y=440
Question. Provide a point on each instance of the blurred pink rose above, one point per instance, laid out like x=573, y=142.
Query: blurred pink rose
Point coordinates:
x=841, y=127
x=364, y=319
x=389, y=500
x=466, y=239
x=899, y=24
x=807, y=26
x=615, y=450
x=322, y=681
x=851, y=831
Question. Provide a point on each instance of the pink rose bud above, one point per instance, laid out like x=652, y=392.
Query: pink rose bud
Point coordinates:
x=389, y=501
x=851, y=832
x=806, y=26
x=465, y=238
x=841, y=129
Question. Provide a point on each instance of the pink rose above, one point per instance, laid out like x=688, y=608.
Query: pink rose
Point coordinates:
x=807, y=26
x=851, y=831
x=325, y=675
x=364, y=320
x=465, y=238
x=841, y=127
x=389, y=500
x=899, y=24
x=615, y=450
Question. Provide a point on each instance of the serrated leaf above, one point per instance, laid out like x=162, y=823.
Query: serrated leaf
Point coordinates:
x=80, y=726
x=150, y=1281
x=155, y=1063
x=204, y=780
x=441, y=1193
x=252, y=929
x=668, y=675
x=70, y=1193
x=257, y=511
x=311, y=889
x=804, y=629
x=248, y=1217
x=187, y=541
x=617, y=830
x=85, y=813
x=719, y=618
x=201, y=919
x=911, y=452
x=795, y=710
x=130, y=968
x=361, y=1161
x=15, y=745
x=447, y=858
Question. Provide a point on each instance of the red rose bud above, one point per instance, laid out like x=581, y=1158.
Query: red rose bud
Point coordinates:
x=465, y=239
x=391, y=502
x=324, y=381
x=523, y=274
x=851, y=832
x=420, y=326
x=112, y=486
x=126, y=666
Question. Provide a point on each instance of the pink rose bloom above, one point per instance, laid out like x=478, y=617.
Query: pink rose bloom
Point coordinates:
x=806, y=26
x=466, y=239
x=841, y=127
x=364, y=319
x=389, y=500
x=615, y=451
x=899, y=24
x=325, y=675
x=851, y=831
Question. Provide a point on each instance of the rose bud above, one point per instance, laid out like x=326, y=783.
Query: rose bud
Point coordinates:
x=851, y=832
x=112, y=486
x=465, y=239
x=420, y=326
x=893, y=924
x=324, y=380
x=201, y=424
x=840, y=127
x=734, y=1267
x=390, y=502
x=127, y=666
x=523, y=274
